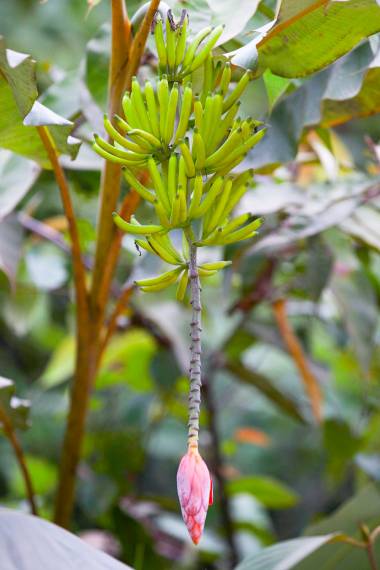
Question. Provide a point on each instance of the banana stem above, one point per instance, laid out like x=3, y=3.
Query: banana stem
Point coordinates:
x=195, y=348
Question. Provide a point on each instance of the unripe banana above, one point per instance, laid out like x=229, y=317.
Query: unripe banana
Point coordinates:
x=198, y=114
x=234, y=224
x=172, y=177
x=175, y=212
x=136, y=185
x=147, y=136
x=171, y=114
x=187, y=103
x=152, y=108
x=128, y=129
x=196, y=196
x=171, y=40
x=236, y=196
x=198, y=150
x=159, y=187
x=217, y=215
x=163, y=98
x=225, y=79
x=182, y=176
x=120, y=139
x=112, y=157
x=144, y=245
x=190, y=53
x=215, y=265
x=208, y=78
x=202, y=55
x=181, y=41
x=161, y=214
x=223, y=129
x=160, y=44
x=237, y=92
x=209, y=198
x=164, y=244
x=182, y=285
x=156, y=245
x=127, y=155
x=166, y=277
x=130, y=112
x=182, y=204
x=223, y=152
x=136, y=229
x=138, y=103
x=189, y=163
x=246, y=232
x=206, y=272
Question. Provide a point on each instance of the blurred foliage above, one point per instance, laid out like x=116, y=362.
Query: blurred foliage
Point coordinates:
x=317, y=185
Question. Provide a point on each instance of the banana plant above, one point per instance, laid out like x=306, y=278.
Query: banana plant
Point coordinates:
x=189, y=142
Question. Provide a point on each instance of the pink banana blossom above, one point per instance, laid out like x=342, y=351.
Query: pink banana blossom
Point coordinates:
x=194, y=486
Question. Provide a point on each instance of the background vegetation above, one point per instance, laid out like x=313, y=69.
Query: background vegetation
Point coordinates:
x=290, y=420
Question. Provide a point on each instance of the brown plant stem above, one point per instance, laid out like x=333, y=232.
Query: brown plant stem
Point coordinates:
x=124, y=59
x=217, y=468
x=18, y=451
x=80, y=387
x=371, y=555
x=295, y=350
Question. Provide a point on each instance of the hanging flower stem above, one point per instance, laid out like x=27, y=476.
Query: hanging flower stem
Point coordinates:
x=195, y=348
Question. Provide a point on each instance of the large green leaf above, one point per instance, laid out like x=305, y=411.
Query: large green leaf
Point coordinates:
x=45, y=545
x=347, y=90
x=271, y=493
x=284, y=555
x=17, y=176
x=310, y=35
x=21, y=112
x=363, y=508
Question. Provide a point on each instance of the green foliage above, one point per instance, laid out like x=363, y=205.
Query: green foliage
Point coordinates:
x=291, y=486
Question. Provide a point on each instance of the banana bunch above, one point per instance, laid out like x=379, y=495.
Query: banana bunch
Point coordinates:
x=154, y=123
x=189, y=144
x=176, y=58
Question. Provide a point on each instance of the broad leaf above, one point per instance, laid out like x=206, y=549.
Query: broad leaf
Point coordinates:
x=284, y=555
x=17, y=176
x=363, y=508
x=310, y=35
x=45, y=545
x=20, y=111
x=271, y=493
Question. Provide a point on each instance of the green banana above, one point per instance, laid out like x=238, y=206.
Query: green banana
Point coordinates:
x=135, y=229
x=202, y=55
x=215, y=265
x=187, y=103
x=138, y=103
x=152, y=108
x=171, y=114
x=237, y=92
x=158, y=184
x=217, y=215
x=166, y=277
x=160, y=44
x=225, y=79
x=136, y=185
x=172, y=177
x=207, y=202
x=163, y=98
x=182, y=285
x=189, y=163
x=181, y=42
x=171, y=40
x=198, y=150
x=190, y=53
x=196, y=196
x=119, y=138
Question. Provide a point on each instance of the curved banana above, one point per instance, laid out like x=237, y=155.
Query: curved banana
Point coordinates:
x=135, y=229
x=182, y=285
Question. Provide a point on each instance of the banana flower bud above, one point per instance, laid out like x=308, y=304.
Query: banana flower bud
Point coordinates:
x=194, y=487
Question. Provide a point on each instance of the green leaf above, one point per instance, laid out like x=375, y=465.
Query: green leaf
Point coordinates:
x=43, y=475
x=224, y=12
x=284, y=555
x=309, y=36
x=20, y=112
x=271, y=493
x=46, y=545
x=61, y=364
x=14, y=409
x=364, y=508
x=17, y=176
